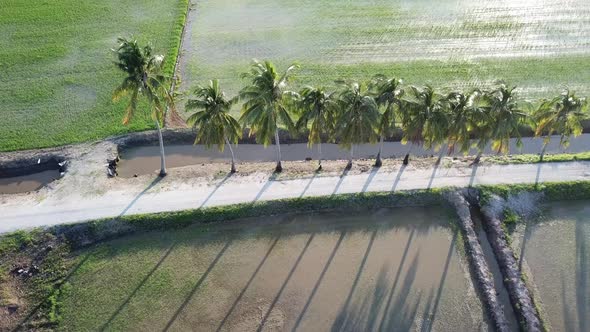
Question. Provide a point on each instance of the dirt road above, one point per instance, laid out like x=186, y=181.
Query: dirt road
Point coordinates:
x=169, y=194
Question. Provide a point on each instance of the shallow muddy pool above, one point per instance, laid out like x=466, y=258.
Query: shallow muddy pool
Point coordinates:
x=26, y=183
x=557, y=254
x=396, y=269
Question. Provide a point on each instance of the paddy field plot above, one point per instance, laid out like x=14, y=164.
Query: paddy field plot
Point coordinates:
x=541, y=46
x=556, y=254
x=383, y=270
x=56, y=66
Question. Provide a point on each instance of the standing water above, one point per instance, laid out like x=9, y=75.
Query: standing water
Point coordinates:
x=26, y=183
x=391, y=269
x=556, y=252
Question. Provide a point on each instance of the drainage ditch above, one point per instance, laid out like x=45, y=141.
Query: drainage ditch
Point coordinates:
x=31, y=177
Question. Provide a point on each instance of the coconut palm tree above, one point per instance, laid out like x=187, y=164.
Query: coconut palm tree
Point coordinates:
x=387, y=93
x=460, y=122
x=144, y=78
x=213, y=120
x=482, y=123
x=358, y=116
x=266, y=102
x=318, y=112
x=507, y=116
x=424, y=118
x=561, y=115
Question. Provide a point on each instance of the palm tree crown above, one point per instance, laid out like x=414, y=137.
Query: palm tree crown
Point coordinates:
x=506, y=117
x=357, y=118
x=562, y=115
x=425, y=117
x=213, y=119
x=144, y=78
x=266, y=102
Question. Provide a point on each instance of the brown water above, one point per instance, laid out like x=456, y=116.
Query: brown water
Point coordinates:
x=388, y=270
x=557, y=252
x=146, y=159
x=26, y=183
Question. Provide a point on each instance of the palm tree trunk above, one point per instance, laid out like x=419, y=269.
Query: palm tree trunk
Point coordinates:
x=407, y=157
x=279, y=167
x=543, y=151
x=162, y=155
x=477, y=158
x=349, y=165
x=320, y=156
x=378, y=161
x=233, y=162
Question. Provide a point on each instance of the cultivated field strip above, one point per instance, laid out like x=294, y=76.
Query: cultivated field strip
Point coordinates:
x=474, y=42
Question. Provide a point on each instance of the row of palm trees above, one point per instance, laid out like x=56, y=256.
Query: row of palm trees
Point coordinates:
x=352, y=113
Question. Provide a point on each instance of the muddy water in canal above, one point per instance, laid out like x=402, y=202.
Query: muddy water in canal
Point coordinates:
x=391, y=269
x=26, y=183
x=146, y=159
x=557, y=254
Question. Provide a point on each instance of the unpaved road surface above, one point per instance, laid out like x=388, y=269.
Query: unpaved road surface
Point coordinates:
x=170, y=194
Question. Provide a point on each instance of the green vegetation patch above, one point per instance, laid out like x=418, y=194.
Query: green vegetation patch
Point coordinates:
x=448, y=44
x=535, y=158
x=56, y=66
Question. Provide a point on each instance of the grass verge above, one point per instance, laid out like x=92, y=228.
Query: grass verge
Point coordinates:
x=535, y=158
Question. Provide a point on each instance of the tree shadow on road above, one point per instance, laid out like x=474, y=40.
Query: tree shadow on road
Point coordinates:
x=150, y=186
x=398, y=177
x=217, y=186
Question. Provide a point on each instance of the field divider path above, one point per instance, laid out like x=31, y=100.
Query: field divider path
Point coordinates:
x=74, y=208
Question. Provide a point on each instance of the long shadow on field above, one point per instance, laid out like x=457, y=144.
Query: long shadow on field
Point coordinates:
x=398, y=177
x=374, y=171
x=150, y=186
x=343, y=317
x=276, y=299
x=582, y=276
x=141, y=283
x=269, y=181
x=581, y=287
x=442, y=283
x=397, y=275
x=399, y=316
x=197, y=285
x=342, y=176
x=308, y=185
x=22, y=325
x=233, y=307
x=525, y=238
x=215, y=189
x=319, y=281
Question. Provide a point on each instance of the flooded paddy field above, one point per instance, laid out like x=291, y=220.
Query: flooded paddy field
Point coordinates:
x=382, y=270
x=540, y=46
x=557, y=256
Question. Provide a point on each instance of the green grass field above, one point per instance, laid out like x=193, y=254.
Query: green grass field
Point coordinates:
x=56, y=67
x=449, y=44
